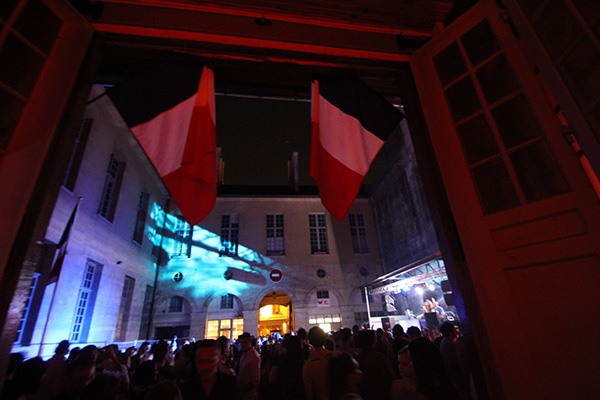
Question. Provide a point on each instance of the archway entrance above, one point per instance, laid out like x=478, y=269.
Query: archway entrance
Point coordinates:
x=275, y=314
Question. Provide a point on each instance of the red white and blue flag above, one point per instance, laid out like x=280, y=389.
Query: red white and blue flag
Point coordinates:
x=350, y=123
x=171, y=111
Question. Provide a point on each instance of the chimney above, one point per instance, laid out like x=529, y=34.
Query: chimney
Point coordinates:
x=293, y=171
x=220, y=168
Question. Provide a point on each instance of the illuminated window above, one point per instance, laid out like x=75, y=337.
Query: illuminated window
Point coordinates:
x=176, y=304
x=237, y=328
x=230, y=224
x=325, y=320
x=85, y=302
x=140, y=220
x=112, y=186
x=318, y=234
x=227, y=302
x=183, y=237
x=212, y=329
x=275, y=238
x=124, y=308
x=358, y=231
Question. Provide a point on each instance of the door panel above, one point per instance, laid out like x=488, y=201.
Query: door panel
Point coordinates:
x=527, y=216
x=47, y=41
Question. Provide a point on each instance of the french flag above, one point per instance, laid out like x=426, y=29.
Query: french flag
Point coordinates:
x=350, y=123
x=171, y=111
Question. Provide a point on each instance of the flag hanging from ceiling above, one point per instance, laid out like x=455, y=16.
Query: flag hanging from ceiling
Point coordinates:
x=61, y=248
x=171, y=111
x=350, y=123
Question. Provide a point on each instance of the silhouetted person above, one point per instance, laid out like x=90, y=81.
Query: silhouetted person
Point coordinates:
x=399, y=341
x=455, y=356
x=289, y=366
x=433, y=379
x=208, y=382
x=343, y=377
x=79, y=374
x=377, y=371
x=26, y=379
x=406, y=388
x=56, y=371
x=315, y=368
x=248, y=375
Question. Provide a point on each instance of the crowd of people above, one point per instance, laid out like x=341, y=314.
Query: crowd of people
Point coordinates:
x=349, y=364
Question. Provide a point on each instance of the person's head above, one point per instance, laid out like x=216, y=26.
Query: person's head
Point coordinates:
x=398, y=331
x=302, y=334
x=316, y=337
x=366, y=339
x=223, y=345
x=413, y=332
x=343, y=375
x=405, y=365
x=62, y=348
x=448, y=330
x=207, y=358
x=345, y=335
x=245, y=340
x=143, y=348
x=74, y=354
x=160, y=352
x=89, y=352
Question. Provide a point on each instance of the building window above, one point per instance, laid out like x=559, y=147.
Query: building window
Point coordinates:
x=183, y=237
x=227, y=302
x=230, y=225
x=318, y=234
x=322, y=294
x=77, y=154
x=85, y=302
x=275, y=238
x=140, y=220
x=176, y=304
x=112, y=186
x=31, y=291
x=124, y=309
x=230, y=328
x=358, y=231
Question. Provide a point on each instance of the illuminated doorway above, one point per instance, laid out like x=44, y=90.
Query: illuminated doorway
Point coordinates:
x=275, y=314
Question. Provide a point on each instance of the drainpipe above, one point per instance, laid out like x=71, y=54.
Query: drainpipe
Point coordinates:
x=158, y=261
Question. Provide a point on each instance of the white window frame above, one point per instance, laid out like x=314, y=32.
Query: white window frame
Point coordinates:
x=275, y=234
x=230, y=229
x=318, y=233
x=358, y=231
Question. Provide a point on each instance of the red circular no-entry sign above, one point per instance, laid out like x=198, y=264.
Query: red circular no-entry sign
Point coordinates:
x=276, y=275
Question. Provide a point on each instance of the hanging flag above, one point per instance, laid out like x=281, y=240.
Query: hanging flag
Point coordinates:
x=350, y=123
x=61, y=249
x=171, y=111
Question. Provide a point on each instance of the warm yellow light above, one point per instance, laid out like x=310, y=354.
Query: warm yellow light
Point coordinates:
x=325, y=327
x=265, y=312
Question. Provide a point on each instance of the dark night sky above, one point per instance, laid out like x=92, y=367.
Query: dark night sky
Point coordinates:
x=258, y=136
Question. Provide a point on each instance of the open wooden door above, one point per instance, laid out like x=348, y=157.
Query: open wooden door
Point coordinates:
x=42, y=46
x=526, y=214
